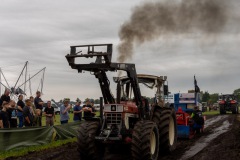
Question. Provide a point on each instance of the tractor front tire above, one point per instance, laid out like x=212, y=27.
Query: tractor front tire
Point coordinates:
x=165, y=118
x=145, y=141
x=88, y=148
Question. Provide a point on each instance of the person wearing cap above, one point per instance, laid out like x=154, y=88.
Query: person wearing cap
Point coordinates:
x=77, y=111
x=64, y=109
x=87, y=109
x=38, y=102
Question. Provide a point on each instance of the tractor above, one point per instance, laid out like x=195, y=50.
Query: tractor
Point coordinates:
x=228, y=102
x=127, y=119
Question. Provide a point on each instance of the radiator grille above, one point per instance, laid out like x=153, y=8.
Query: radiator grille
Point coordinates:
x=113, y=118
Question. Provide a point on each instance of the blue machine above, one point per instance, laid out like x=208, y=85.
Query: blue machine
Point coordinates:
x=184, y=104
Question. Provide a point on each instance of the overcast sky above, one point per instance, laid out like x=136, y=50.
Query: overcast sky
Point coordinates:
x=42, y=32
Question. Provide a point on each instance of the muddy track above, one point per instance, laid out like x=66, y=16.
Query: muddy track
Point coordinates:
x=220, y=140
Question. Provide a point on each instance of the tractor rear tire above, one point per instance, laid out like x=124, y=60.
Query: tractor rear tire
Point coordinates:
x=145, y=141
x=235, y=110
x=221, y=108
x=88, y=148
x=165, y=118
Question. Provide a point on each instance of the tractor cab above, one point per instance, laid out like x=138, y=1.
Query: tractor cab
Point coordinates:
x=157, y=83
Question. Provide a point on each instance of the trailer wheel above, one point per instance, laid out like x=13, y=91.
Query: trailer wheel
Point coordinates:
x=166, y=120
x=87, y=146
x=145, y=141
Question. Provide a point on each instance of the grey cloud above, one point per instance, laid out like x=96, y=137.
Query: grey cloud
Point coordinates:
x=42, y=32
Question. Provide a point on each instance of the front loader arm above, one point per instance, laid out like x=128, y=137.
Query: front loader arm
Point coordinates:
x=103, y=64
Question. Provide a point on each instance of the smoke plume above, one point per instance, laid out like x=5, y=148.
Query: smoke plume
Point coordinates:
x=152, y=20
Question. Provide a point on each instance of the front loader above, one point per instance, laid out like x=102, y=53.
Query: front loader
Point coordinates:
x=128, y=118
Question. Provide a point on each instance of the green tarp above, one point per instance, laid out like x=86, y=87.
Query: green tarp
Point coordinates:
x=23, y=137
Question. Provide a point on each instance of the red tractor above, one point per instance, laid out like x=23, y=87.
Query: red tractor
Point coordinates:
x=128, y=118
x=228, y=102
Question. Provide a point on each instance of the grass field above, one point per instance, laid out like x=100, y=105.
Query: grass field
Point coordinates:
x=57, y=122
x=26, y=150
x=211, y=113
x=215, y=112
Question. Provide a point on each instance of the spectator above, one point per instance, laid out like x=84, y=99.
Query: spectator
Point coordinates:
x=93, y=108
x=28, y=118
x=13, y=121
x=34, y=112
x=87, y=108
x=4, y=118
x=64, y=116
x=49, y=113
x=77, y=111
x=39, y=106
x=20, y=106
x=5, y=97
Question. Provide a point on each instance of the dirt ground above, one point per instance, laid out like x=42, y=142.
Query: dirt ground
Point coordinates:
x=220, y=140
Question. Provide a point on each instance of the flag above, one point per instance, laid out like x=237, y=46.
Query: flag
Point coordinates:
x=197, y=89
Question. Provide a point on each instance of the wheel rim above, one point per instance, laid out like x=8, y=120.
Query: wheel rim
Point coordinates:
x=171, y=131
x=152, y=142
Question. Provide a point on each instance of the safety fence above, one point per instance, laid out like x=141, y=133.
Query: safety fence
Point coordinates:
x=23, y=137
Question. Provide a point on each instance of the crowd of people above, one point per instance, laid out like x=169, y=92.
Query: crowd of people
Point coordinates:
x=87, y=111
x=23, y=113
x=29, y=112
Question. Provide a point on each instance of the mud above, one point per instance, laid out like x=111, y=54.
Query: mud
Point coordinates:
x=220, y=140
x=204, y=141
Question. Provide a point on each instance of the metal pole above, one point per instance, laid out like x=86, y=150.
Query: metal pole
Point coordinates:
x=20, y=75
x=43, y=79
x=25, y=79
x=101, y=108
x=32, y=77
x=4, y=85
x=5, y=79
x=30, y=87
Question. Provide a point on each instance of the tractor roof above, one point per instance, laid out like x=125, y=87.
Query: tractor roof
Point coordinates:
x=149, y=81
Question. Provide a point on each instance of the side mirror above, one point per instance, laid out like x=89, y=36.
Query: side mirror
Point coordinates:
x=165, y=89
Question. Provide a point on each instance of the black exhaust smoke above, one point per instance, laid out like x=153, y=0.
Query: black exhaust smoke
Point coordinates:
x=152, y=20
